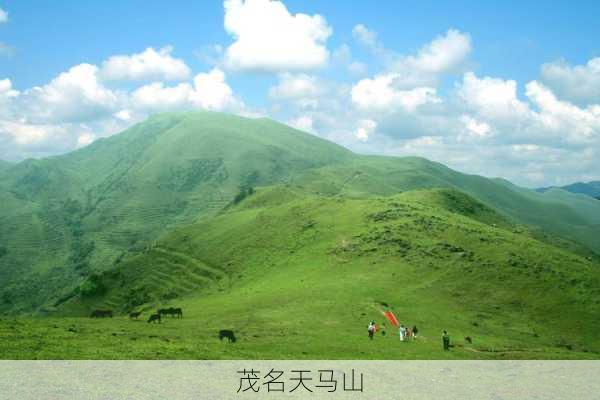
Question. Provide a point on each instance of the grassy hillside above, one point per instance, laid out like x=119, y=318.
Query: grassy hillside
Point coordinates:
x=67, y=219
x=300, y=275
x=569, y=215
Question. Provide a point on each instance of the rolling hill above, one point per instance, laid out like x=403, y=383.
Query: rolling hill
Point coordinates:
x=224, y=214
x=299, y=275
x=591, y=189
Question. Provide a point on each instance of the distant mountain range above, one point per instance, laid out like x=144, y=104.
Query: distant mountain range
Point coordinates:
x=591, y=189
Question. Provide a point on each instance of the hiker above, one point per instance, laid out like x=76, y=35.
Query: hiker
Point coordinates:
x=409, y=333
x=402, y=331
x=446, y=341
x=415, y=331
x=371, y=329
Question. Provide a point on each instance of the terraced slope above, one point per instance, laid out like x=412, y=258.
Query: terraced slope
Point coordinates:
x=65, y=218
x=298, y=275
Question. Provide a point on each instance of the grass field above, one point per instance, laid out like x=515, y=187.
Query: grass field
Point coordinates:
x=302, y=277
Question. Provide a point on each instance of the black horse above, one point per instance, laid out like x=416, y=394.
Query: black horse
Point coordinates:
x=101, y=314
x=172, y=311
x=134, y=314
x=154, y=318
x=227, y=333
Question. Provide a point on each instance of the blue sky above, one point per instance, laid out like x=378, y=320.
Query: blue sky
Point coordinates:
x=508, y=90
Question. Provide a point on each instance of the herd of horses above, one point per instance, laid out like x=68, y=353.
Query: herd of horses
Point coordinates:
x=156, y=317
x=174, y=312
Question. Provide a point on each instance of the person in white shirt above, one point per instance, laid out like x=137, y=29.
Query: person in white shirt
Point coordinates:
x=402, y=333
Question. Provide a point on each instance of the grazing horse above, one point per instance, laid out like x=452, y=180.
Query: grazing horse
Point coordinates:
x=227, y=333
x=134, y=314
x=101, y=314
x=154, y=318
x=173, y=312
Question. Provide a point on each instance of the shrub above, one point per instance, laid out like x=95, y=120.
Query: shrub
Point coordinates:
x=244, y=192
x=92, y=286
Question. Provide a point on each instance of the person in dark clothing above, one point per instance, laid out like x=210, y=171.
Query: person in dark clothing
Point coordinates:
x=446, y=341
x=415, y=331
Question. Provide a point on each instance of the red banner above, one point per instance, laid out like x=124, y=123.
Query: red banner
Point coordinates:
x=391, y=317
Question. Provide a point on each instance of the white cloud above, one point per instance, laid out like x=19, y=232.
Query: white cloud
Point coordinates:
x=563, y=117
x=212, y=92
x=297, y=86
x=544, y=118
x=209, y=91
x=380, y=93
x=303, y=123
x=366, y=127
x=580, y=84
x=28, y=134
x=474, y=127
x=357, y=68
x=6, y=89
x=525, y=148
x=492, y=97
x=445, y=54
x=365, y=36
x=342, y=54
x=75, y=108
x=3, y=16
x=149, y=64
x=267, y=37
x=156, y=96
x=85, y=138
x=123, y=115
x=75, y=95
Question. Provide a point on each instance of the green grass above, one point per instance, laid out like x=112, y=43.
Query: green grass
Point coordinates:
x=302, y=278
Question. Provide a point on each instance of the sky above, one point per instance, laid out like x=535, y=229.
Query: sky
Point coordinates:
x=507, y=90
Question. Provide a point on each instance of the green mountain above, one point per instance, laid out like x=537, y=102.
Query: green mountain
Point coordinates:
x=249, y=222
x=66, y=217
x=591, y=189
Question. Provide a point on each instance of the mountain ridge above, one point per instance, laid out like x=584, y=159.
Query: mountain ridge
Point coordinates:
x=591, y=188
